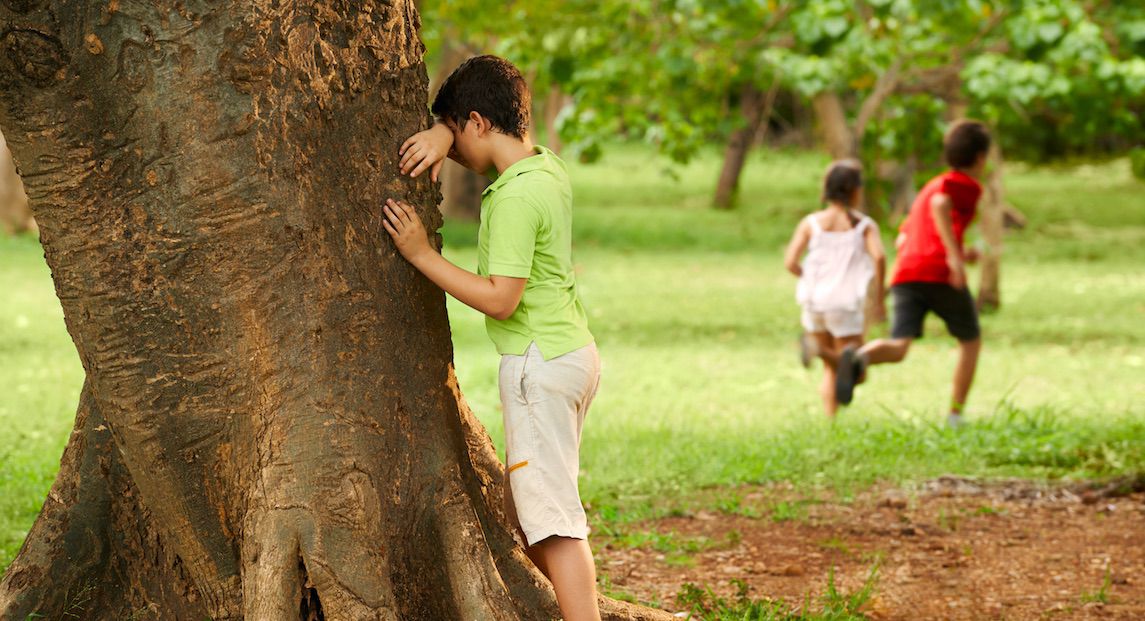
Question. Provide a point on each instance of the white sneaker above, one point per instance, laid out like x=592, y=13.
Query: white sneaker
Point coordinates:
x=954, y=420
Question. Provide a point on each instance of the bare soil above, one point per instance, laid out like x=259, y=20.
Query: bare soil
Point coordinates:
x=951, y=549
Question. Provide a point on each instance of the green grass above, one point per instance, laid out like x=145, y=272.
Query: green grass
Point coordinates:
x=833, y=605
x=696, y=322
x=40, y=381
x=1101, y=594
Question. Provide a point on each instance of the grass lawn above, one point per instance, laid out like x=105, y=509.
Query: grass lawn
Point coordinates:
x=696, y=323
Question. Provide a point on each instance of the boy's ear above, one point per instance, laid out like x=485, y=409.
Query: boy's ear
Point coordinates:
x=481, y=124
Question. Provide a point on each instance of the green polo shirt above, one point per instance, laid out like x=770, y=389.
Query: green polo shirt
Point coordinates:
x=526, y=232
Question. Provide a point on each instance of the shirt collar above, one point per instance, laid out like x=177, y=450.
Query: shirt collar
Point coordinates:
x=963, y=177
x=537, y=161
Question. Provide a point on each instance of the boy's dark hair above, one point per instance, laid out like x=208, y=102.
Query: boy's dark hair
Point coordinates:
x=964, y=142
x=490, y=86
x=842, y=179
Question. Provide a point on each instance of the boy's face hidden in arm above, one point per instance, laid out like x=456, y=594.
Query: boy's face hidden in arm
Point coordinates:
x=471, y=146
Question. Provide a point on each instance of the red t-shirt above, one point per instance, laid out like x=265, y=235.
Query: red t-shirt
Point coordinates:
x=921, y=255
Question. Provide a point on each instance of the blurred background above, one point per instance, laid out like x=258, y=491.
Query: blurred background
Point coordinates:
x=697, y=132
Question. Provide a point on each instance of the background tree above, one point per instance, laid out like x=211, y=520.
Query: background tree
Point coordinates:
x=883, y=77
x=270, y=427
x=15, y=215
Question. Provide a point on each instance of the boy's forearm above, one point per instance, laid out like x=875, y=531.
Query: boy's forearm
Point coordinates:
x=470, y=289
x=944, y=224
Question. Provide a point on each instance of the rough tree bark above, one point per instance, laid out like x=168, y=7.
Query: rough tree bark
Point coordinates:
x=270, y=426
x=15, y=215
x=756, y=109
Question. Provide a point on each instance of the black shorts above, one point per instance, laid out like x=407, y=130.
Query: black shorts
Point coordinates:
x=913, y=300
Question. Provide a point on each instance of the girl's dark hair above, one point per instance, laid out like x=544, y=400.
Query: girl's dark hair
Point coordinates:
x=490, y=86
x=964, y=142
x=842, y=179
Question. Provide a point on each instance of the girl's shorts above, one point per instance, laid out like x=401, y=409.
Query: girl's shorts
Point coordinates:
x=838, y=323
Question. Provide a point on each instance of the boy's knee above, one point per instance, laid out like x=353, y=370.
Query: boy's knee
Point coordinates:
x=971, y=345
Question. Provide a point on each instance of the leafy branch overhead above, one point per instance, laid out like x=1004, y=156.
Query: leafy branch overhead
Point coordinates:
x=1068, y=74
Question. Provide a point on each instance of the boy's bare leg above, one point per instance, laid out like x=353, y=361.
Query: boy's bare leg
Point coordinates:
x=573, y=574
x=964, y=373
x=882, y=351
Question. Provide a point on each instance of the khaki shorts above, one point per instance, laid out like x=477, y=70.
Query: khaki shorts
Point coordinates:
x=544, y=404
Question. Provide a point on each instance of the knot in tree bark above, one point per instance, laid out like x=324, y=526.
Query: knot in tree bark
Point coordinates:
x=34, y=55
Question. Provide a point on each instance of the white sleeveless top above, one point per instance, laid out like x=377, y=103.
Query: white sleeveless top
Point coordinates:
x=837, y=269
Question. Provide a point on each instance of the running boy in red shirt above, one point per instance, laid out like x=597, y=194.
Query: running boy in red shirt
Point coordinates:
x=930, y=273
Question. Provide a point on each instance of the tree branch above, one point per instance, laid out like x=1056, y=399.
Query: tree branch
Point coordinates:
x=885, y=86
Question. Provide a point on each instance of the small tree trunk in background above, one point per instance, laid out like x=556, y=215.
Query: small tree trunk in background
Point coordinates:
x=756, y=109
x=461, y=191
x=992, y=224
x=903, y=189
x=15, y=215
x=270, y=427
x=837, y=134
x=554, y=103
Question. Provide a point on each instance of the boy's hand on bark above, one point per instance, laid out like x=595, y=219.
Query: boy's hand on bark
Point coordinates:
x=426, y=150
x=406, y=229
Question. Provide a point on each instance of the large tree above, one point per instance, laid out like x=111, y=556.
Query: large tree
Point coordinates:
x=270, y=427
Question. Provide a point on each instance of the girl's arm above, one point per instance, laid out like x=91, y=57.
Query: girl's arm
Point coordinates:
x=874, y=243
x=796, y=247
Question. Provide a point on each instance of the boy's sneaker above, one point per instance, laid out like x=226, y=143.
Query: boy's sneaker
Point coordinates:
x=954, y=420
x=808, y=350
x=848, y=374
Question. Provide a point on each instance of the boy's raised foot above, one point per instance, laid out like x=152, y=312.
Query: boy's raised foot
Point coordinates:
x=954, y=420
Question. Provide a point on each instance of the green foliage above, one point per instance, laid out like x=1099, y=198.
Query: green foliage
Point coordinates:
x=1137, y=161
x=1069, y=81
x=1055, y=77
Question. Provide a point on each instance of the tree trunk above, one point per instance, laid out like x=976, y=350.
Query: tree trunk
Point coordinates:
x=15, y=215
x=992, y=225
x=270, y=426
x=837, y=133
x=903, y=191
x=756, y=109
x=554, y=103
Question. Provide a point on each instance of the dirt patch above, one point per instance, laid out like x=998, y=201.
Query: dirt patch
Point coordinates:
x=952, y=549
